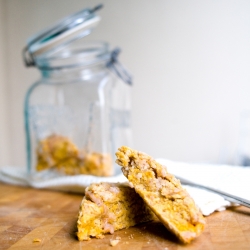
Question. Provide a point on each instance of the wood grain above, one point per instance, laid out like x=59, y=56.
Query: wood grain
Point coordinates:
x=27, y=214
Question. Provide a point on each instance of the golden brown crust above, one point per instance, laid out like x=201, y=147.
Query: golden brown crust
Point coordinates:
x=163, y=193
x=108, y=207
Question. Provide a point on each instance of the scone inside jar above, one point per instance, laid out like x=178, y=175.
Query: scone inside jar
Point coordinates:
x=59, y=153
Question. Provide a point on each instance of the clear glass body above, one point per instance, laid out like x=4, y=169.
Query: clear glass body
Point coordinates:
x=77, y=114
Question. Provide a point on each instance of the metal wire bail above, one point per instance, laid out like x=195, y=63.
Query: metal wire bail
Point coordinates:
x=118, y=69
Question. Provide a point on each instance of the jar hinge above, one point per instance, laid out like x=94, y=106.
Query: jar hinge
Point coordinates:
x=117, y=68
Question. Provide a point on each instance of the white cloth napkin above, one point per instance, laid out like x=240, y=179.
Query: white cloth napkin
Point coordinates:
x=231, y=179
x=53, y=180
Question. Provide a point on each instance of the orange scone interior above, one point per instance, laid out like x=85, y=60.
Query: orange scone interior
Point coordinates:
x=107, y=207
x=163, y=193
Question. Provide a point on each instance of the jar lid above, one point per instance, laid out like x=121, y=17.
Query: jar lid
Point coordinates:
x=73, y=27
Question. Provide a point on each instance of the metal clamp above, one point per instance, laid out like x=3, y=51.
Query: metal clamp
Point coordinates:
x=117, y=68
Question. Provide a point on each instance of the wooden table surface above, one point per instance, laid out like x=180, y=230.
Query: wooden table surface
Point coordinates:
x=27, y=214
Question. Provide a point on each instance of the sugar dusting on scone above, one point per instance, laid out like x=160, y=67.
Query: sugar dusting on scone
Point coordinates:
x=107, y=207
x=163, y=193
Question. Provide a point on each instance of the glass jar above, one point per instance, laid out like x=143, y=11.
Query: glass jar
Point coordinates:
x=78, y=113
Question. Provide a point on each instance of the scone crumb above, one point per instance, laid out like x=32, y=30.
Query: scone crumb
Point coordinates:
x=36, y=240
x=114, y=242
x=131, y=236
x=118, y=238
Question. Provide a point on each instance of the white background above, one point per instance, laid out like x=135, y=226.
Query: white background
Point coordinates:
x=190, y=61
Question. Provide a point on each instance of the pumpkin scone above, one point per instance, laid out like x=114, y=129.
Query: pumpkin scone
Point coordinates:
x=163, y=193
x=107, y=207
x=60, y=153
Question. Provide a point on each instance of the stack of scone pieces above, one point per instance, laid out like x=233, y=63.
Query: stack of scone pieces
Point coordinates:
x=151, y=191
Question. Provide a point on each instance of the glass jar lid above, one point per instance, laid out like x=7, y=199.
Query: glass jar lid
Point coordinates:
x=73, y=27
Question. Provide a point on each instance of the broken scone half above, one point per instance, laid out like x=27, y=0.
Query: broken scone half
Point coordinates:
x=107, y=207
x=163, y=193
